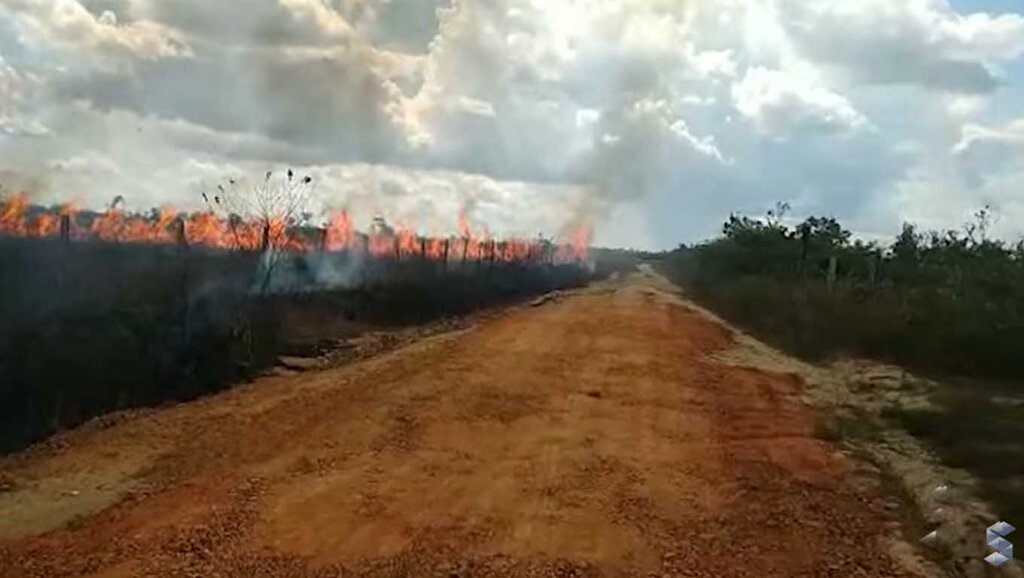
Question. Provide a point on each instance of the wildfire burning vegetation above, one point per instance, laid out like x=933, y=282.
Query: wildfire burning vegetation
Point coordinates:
x=207, y=299
x=166, y=226
x=210, y=298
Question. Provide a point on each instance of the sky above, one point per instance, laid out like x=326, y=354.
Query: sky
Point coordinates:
x=652, y=120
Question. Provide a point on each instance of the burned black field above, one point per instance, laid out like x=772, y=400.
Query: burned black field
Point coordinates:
x=88, y=327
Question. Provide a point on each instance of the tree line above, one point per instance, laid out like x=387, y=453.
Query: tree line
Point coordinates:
x=949, y=301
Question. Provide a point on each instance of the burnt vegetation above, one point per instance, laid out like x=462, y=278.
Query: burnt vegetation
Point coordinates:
x=93, y=325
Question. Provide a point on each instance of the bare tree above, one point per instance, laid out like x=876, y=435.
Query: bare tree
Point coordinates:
x=977, y=231
x=775, y=215
x=273, y=204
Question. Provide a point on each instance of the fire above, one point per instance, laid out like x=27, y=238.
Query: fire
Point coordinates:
x=577, y=246
x=166, y=226
x=338, y=236
x=12, y=216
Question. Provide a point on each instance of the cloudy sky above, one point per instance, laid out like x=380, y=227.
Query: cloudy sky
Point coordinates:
x=652, y=118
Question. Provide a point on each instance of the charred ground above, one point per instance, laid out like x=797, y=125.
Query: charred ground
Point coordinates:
x=90, y=327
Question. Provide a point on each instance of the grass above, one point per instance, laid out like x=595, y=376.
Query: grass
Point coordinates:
x=941, y=304
x=853, y=425
x=970, y=428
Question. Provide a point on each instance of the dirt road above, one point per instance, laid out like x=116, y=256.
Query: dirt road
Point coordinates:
x=598, y=434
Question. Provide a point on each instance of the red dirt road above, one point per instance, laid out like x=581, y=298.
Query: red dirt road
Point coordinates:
x=595, y=435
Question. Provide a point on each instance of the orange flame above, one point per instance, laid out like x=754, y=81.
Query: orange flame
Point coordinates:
x=338, y=236
x=166, y=226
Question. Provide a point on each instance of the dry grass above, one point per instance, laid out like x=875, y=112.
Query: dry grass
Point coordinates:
x=979, y=430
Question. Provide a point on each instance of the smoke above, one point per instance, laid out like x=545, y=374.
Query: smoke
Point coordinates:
x=290, y=274
x=431, y=201
x=525, y=118
x=17, y=182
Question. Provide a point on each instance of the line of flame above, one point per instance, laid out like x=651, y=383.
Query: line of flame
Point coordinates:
x=167, y=226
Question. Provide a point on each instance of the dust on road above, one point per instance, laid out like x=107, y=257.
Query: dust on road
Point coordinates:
x=598, y=434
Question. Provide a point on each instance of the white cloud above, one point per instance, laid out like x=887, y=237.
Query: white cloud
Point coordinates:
x=975, y=135
x=990, y=163
x=782, y=103
x=321, y=17
x=654, y=116
x=66, y=26
x=913, y=199
x=682, y=110
x=923, y=42
x=712, y=63
x=16, y=90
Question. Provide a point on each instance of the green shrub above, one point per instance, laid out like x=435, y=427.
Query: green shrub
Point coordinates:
x=949, y=302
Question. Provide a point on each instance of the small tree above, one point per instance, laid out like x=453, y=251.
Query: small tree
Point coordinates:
x=261, y=213
x=977, y=231
x=775, y=215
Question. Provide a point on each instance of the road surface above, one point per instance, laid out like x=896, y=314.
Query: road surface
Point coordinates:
x=597, y=434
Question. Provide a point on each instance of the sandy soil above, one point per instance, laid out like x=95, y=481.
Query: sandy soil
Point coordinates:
x=596, y=434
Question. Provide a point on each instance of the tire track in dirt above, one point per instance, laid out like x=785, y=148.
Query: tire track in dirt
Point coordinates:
x=594, y=435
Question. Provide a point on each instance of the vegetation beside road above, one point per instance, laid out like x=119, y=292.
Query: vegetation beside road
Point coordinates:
x=946, y=304
x=88, y=328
